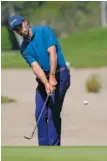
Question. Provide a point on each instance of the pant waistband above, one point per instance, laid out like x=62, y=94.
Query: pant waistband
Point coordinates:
x=47, y=73
x=61, y=69
x=58, y=70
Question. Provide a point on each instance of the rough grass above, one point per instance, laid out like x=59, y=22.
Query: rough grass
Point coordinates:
x=81, y=49
x=5, y=99
x=54, y=153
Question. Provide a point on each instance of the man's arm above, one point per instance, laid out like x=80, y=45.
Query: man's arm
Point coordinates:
x=37, y=70
x=53, y=64
x=50, y=42
x=53, y=59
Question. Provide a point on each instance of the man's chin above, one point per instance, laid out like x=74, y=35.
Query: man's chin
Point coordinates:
x=25, y=35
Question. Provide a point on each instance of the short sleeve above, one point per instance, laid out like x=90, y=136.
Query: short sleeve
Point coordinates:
x=49, y=36
x=29, y=58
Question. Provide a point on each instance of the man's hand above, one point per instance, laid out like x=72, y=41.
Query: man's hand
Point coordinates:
x=52, y=80
x=49, y=88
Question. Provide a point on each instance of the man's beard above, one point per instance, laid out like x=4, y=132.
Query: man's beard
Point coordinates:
x=26, y=35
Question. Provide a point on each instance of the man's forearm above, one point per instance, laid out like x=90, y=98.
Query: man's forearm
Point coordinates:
x=53, y=59
x=53, y=63
x=39, y=72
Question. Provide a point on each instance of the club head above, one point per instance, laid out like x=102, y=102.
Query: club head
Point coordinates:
x=27, y=137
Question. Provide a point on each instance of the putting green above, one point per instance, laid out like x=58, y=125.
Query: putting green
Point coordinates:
x=79, y=153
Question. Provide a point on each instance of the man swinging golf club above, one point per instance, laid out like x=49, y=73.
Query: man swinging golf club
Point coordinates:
x=41, y=50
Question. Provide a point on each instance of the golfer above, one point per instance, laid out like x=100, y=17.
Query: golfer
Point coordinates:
x=42, y=51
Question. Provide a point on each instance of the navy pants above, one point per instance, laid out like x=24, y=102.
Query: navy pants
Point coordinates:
x=49, y=126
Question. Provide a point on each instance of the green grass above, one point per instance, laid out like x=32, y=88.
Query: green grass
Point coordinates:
x=86, y=49
x=12, y=59
x=5, y=99
x=54, y=153
x=82, y=49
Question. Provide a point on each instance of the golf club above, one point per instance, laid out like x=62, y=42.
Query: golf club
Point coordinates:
x=38, y=119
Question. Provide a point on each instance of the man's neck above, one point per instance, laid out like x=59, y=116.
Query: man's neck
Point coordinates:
x=30, y=33
x=29, y=36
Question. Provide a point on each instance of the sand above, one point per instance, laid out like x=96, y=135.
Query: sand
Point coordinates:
x=81, y=124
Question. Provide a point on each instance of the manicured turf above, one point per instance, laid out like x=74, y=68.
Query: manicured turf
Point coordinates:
x=12, y=59
x=86, y=49
x=54, y=153
x=82, y=49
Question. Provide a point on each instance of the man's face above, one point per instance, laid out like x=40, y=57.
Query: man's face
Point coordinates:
x=22, y=29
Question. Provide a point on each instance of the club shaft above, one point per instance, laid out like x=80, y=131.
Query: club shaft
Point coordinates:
x=38, y=118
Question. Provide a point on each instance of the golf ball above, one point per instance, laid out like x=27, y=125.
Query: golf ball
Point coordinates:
x=85, y=102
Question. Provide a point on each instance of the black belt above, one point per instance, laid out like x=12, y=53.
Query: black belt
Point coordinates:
x=57, y=70
x=47, y=73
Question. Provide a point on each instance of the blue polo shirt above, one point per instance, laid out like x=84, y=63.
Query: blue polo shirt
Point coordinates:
x=36, y=49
